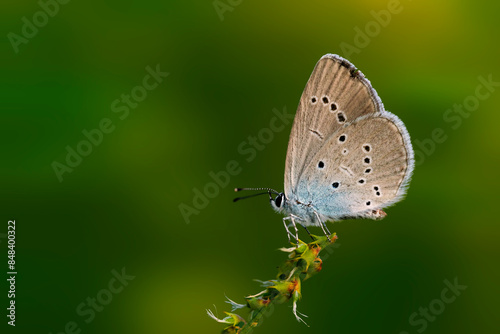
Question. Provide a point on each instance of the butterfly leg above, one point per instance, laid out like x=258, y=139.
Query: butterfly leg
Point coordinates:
x=323, y=226
x=305, y=228
x=288, y=233
x=292, y=219
x=295, y=227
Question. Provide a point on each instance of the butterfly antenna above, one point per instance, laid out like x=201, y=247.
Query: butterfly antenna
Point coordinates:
x=268, y=191
x=245, y=197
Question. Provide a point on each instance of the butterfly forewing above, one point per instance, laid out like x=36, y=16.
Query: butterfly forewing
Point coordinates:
x=335, y=94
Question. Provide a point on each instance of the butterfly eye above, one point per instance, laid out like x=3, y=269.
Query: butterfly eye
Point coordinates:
x=278, y=200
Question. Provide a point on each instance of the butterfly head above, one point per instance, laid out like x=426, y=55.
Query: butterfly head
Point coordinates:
x=277, y=202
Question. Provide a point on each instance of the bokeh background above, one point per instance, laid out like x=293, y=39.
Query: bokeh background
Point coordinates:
x=228, y=71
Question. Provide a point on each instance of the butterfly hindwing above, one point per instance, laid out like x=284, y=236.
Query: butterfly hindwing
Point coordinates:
x=364, y=166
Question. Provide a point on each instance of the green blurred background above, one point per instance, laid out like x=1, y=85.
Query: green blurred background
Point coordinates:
x=119, y=207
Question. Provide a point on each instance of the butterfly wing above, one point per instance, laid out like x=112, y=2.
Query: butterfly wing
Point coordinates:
x=335, y=94
x=346, y=156
x=364, y=166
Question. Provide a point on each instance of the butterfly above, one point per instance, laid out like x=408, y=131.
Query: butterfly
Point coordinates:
x=347, y=156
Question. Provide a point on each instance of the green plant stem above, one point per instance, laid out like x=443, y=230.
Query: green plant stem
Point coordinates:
x=303, y=262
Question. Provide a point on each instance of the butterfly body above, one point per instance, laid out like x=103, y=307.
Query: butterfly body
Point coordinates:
x=347, y=156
